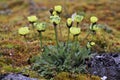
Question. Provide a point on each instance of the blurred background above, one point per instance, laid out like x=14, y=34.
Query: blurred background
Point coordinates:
x=106, y=10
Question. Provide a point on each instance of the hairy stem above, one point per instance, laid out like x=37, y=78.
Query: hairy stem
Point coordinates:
x=40, y=34
x=68, y=34
x=56, y=35
x=60, y=32
x=86, y=36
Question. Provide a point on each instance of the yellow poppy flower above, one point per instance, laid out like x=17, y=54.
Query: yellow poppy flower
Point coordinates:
x=32, y=18
x=40, y=26
x=78, y=18
x=93, y=19
x=58, y=8
x=75, y=30
x=23, y=31
x=55, y=19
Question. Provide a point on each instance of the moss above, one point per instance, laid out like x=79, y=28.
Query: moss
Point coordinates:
x=95, y=78
x=2, y=64
x=69, y=76
x=62, y=76
x=82, y=77
x=105, y=42
x=9, y=68
x=2, y=59
x=33, y=74
x=9, y=46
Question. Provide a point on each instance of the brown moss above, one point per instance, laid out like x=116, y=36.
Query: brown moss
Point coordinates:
x=95, y=78
x=69, y=76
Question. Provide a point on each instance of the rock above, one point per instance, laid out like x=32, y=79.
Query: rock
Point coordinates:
x=106, y=65
x=13, y=76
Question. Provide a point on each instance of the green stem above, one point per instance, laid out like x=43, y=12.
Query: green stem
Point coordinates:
x=26, y=45
x=56, y=36
x=32, y=25
x=40, y=34
x=86, y=36
x=77, y=24
x=68, y=34
x=60, y=32
x=93, y=37
x=33, y=31
x=75, y=37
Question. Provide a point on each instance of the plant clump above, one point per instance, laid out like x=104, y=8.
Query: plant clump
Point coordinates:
x=67, y=56
x=63, y=57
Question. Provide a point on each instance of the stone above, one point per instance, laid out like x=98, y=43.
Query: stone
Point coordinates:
x=105, y=65
x=14, y=76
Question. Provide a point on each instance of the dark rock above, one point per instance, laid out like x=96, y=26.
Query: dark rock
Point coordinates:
x=105, y=65
x=13, y=76
x=2, y=76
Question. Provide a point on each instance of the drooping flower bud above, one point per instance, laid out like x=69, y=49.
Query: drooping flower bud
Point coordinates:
x=69, y=22
x=51, y=11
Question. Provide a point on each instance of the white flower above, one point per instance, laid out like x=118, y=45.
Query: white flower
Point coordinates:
x=73, y=16
x=104, y=78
